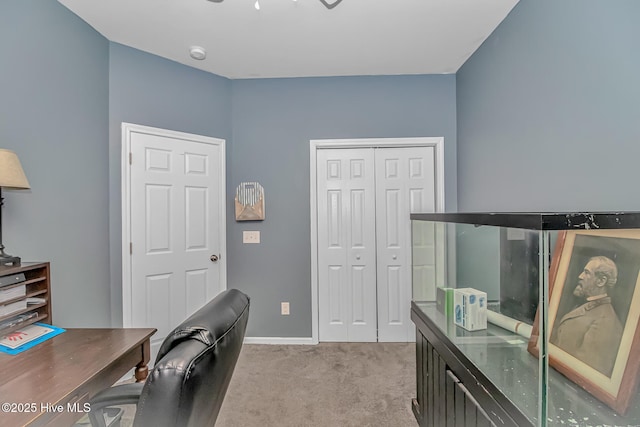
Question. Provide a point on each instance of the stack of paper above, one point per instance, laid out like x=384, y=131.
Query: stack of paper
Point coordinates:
x=11, y=293
x=13, y=307
x=27, y=337
x=15, y=321
x=24, y=336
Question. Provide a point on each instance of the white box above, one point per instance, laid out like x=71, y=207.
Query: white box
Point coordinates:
x=470, y=309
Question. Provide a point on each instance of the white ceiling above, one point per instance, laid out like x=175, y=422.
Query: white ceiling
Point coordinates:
x=302, y=38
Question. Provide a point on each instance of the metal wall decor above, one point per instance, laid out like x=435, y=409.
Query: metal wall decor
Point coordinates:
x=249, y=202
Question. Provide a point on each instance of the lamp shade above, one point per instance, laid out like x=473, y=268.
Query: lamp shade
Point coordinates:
x=11, y=173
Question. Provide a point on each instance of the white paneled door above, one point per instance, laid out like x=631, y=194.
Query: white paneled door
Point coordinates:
x=176, y=228
x=405, y=183
x=347, y=264
x=364, y=198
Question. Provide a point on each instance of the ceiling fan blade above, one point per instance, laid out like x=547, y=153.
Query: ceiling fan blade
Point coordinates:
x=330, y=5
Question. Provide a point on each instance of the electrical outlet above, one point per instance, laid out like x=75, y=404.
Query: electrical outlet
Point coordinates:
x=284, y=308
x=250, y=237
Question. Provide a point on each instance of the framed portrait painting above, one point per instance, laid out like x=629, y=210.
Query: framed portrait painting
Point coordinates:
x=594, y=310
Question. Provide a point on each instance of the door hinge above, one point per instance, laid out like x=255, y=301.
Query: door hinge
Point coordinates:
x=130, y=158
x=130, y=248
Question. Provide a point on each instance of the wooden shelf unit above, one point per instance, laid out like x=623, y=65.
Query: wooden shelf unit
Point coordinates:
x=38, y=284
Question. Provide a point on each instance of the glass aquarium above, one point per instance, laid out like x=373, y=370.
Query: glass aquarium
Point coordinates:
x=543, y=308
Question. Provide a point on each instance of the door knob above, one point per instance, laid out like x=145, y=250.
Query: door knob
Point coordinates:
x=214, y=258
x=395, y=257
x=357, y=256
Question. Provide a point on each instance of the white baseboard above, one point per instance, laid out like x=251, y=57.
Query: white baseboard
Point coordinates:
x=280, y=340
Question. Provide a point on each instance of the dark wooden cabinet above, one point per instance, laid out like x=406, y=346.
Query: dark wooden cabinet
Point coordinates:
x=509, y=373
x=451, y=392
x=36, y=281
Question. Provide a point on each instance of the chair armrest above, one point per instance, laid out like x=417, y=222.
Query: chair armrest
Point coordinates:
x=123, y=394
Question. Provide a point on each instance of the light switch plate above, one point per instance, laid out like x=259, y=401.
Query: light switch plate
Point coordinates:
x=284, y=308
x=250, y=237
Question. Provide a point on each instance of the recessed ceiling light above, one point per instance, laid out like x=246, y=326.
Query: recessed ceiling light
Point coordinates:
x=197, y=52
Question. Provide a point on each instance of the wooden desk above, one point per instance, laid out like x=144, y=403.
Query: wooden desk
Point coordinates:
x=68, y=369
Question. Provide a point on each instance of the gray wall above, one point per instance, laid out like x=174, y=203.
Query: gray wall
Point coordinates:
x=53, y=113
x=65, y=92
x=478, y=259
x=148, y=90
x=548, y=110
x=273, y=121
x=547, y=119
x=548, y=113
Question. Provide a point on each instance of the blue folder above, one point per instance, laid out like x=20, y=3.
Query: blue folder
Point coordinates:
x=17, y=350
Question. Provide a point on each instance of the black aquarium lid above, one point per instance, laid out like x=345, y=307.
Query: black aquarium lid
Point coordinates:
x=539, y=221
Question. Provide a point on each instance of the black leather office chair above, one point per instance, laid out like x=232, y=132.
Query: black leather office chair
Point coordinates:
x=192, y=371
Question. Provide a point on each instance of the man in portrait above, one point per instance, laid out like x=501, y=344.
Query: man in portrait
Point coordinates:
x=592, y=331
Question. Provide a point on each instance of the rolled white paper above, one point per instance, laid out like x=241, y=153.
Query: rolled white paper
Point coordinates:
x=509, y=324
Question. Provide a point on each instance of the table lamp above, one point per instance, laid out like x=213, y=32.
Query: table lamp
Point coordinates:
x=11, y=176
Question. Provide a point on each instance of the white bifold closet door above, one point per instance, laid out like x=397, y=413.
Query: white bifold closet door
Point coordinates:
x=365, y=196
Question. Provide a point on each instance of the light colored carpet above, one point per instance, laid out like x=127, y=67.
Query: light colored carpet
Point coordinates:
x=330, y=384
